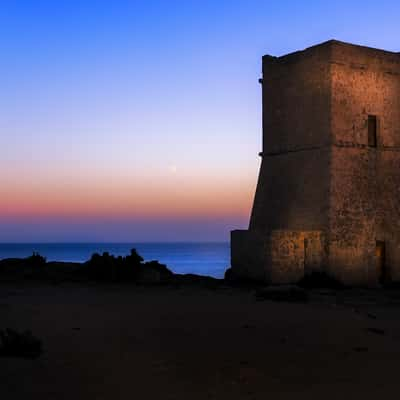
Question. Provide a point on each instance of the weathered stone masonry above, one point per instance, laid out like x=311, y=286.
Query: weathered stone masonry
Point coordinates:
x=328, y=193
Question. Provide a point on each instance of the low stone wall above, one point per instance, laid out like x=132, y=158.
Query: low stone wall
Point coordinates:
x=281, y=257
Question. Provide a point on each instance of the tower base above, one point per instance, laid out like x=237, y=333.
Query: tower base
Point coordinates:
x=279, y=257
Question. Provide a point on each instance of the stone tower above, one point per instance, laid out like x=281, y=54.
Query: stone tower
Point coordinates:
x=328, y=193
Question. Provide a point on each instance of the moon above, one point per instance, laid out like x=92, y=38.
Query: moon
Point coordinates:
x=173, y=169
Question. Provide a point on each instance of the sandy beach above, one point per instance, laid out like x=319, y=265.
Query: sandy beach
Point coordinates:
x=127, y=341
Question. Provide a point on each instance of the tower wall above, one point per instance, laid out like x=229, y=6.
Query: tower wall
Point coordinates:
x=292, y=190
x=364, y=194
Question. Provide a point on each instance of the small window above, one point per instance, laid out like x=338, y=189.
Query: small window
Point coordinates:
x=372, y=130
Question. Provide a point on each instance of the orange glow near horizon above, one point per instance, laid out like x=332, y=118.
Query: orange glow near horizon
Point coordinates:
x=176, y=197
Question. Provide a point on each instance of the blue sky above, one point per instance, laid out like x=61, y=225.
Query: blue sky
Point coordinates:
x=145, y=116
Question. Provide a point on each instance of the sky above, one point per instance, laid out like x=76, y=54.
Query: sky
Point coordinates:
x=141, y=120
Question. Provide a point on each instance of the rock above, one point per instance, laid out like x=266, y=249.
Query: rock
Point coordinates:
x=317, y=280
x=153, y=272
x=377, y=331
x=360, y=349
x=286, y=293
x=228, y=276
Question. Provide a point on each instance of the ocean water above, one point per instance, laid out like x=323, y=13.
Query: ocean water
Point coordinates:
x=211, y=259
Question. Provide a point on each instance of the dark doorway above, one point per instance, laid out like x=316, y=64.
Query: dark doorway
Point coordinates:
x=372, y=131
x=380, y=253
x=312, y=254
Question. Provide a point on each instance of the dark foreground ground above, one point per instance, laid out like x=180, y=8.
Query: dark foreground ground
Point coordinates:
x=135, y=342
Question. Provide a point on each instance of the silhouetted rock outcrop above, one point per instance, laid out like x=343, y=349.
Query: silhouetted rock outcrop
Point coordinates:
x=102, y=268
x=23, y=268
x=154, y=272
x=107, y=267
x=228, y=276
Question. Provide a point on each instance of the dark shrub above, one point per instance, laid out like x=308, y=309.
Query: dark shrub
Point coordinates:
x=107, y=267
x=134, y=259
x=36, y=260
x=15, y=344
x=36, y=265
x=102, y=267
x=131, y=265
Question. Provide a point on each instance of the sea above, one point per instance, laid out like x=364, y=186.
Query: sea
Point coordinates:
x=209, y=259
